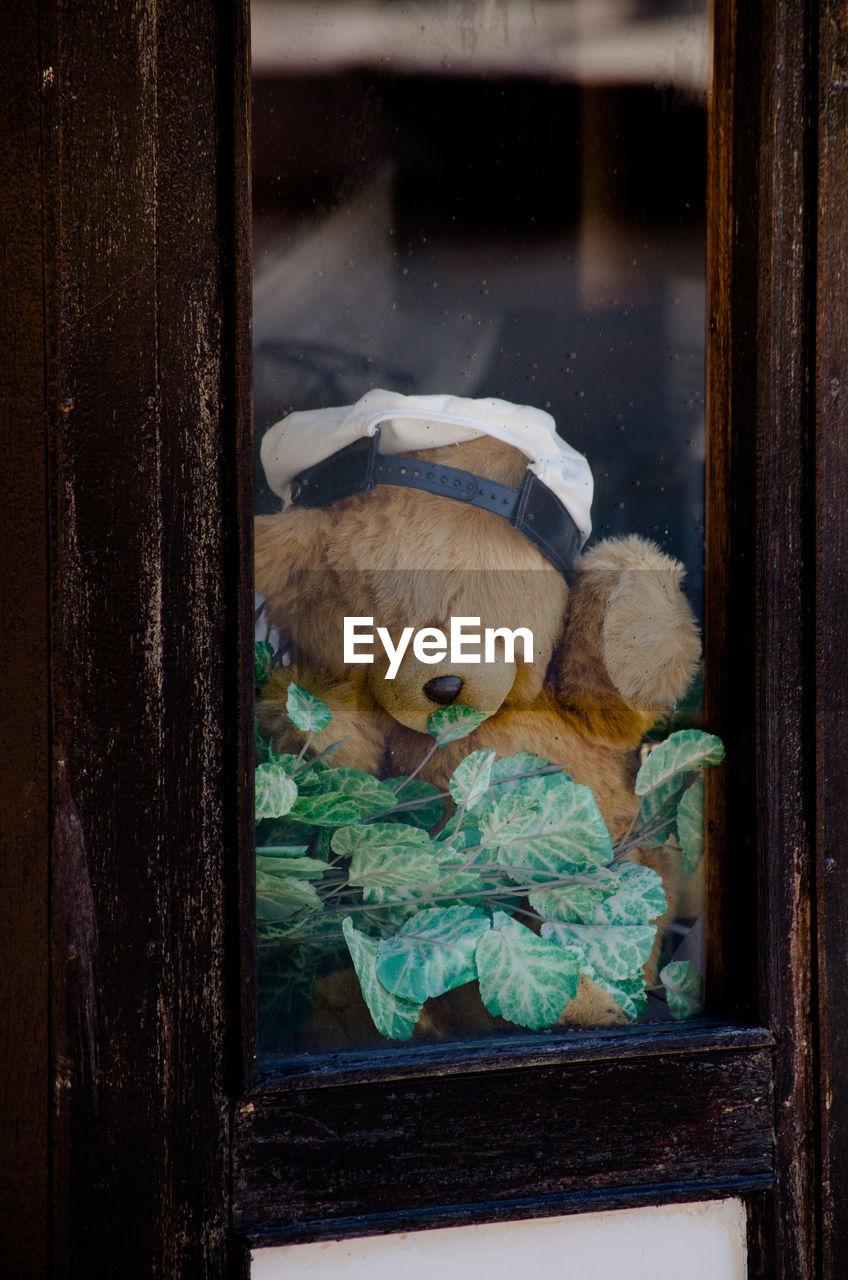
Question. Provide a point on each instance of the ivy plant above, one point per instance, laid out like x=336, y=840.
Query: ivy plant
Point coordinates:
x=520, y=890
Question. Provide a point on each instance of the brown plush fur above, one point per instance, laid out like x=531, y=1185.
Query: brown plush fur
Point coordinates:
x=609, y=655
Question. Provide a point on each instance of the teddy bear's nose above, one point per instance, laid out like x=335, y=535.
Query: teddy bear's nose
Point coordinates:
x=443, y=689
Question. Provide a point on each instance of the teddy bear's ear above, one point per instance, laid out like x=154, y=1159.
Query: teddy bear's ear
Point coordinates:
x=630, y=624
x=285, y=544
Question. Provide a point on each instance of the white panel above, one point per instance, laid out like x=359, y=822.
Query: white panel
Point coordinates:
x=699, y=1241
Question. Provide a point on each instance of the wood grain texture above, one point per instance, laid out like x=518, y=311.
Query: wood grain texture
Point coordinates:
x=240, y=517
x=831, y=627
x=762, y=219
x=784, y=674
x=323, y=1161
x=148, y=766
x=124, y=426
x=733, y=112
x=24, y=687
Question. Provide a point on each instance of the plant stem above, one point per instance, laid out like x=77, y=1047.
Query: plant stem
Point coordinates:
x=307, y=764
x=418, y=767
x=304, y=748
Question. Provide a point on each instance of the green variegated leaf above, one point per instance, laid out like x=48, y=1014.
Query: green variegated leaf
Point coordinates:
x=461, y=849
x=287, y=762
x=370, y=796
x=429, y=807
x=321, y=843
x=261, y=746
x=393, y=1016
x=306, y=712
x=513, y=768
x=281, y=864
x=470, y=779
x=520, y=774
x=281, y=850
x=454, y=722
x=622, y=894
x=275, y=792
x=394, y=876
x=683, y=989
x=639, y=898
x=457, y=874
x=467, y=837
x=284, y=977
x=628, y=993
x=657, y=815
x=317, y=926
x=263, y=662
x=576, y=901
x=554, y=828
x=279, y=897
x=325, y=810
x=615, y=952
x=432, y=953
x=388, y=861
x=523, y=977
x=308, y=779
x=682, y=752
x=690, y=825
x=378, y=836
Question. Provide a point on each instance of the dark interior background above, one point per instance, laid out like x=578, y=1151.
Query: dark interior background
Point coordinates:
x=502, y=233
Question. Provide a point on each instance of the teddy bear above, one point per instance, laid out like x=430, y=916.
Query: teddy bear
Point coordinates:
x=614, y=640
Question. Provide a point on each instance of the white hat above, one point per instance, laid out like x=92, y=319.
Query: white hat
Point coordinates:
x=406, y=423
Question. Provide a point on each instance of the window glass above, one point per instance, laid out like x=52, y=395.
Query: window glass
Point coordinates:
x=461, y=210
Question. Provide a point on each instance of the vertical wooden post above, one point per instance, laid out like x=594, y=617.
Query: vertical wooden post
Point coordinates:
x=24, y=686
x=762, y=228
x=831, y=628
x=126, y=437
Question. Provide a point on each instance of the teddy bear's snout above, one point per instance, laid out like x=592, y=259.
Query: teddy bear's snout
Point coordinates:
x=443, y=689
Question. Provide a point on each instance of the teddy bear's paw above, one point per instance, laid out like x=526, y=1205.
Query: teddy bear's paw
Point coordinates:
x=339, y=1019
x=592, y=1007
x=356, y=733
x=649, y=636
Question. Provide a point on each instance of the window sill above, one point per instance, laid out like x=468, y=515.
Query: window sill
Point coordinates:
x=361, y=1144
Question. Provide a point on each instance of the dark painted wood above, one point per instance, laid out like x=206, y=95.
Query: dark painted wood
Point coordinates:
x=784, y=672
x=24, y=688
x=240, y=760
x=759, y=485
x=520, y=1209
x=502, y=1053
x=831, y=558
x=511, y=1142
x=642, y=1196
x=759, y=685
x=149, y=761
x=125, y=424
x=733, y=114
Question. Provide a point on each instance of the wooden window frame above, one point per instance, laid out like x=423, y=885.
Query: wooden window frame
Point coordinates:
x=142, y=1139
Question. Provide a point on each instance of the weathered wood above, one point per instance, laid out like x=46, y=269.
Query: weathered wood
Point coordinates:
x=240, y=747
x=520, y=1209
x=502, y=1053
x=140, y=203
x=323, y=1161
x=784, y=674
x=24, y=691
x=831, y=699
x=762, y=198
x=139, y=309
x=729, y=585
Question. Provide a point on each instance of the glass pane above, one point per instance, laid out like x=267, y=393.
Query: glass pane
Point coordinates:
x=479, y=293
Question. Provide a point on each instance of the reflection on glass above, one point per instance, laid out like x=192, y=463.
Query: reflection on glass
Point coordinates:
x=483, y=200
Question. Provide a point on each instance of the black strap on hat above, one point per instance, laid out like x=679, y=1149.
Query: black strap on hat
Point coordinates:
x=534, y=510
